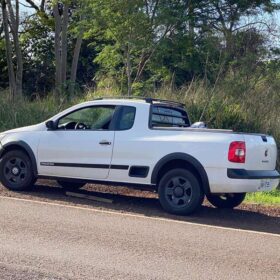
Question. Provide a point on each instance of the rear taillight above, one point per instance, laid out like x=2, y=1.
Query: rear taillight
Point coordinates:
x=237, y=152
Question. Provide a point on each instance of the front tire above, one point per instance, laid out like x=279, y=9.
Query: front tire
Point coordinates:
x=70, y=186
x=180, y=192
x=228, y=200
x=16, y=171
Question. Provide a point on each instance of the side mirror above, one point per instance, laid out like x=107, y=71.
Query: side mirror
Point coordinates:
x=199, y=125
x=50, y=125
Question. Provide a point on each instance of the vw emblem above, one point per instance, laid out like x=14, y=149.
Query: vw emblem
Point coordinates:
x=266, y=153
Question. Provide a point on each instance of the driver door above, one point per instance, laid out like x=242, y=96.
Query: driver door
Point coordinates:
x=81, y=146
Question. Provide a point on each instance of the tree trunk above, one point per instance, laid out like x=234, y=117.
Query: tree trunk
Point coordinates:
x=11, y=73
x=14, y=24
x=19, y=72
x=19, y=75
x=57, y=49
x=190, y=7
x=145, y=57
x=75, y=61
x=64, y=29
x=128, y=71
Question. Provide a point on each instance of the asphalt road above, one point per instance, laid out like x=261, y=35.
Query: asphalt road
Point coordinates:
x=46, y=240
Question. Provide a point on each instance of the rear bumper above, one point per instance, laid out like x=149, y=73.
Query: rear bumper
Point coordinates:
x=252, y=174
x=224, y=180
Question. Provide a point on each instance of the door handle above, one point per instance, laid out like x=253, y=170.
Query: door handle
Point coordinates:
x=105, y=142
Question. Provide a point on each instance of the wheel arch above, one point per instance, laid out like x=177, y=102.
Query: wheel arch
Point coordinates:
x=23, y=146
x=181, y=160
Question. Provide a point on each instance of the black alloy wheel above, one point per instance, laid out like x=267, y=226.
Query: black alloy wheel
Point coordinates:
x=16, y=171
x=180, y=192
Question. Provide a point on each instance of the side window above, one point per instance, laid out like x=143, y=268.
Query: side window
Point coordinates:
x=126, y=118
x=169, y=117
x=95, y=118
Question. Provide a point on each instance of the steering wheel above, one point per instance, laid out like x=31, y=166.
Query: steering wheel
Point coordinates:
x=80, y=126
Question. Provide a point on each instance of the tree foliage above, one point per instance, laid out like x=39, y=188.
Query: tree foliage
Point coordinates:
x=133, y=45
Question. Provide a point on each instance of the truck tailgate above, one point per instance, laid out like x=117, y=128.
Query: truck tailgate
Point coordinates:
x=261, y=152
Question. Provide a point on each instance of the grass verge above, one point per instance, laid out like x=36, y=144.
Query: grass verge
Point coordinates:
x=272, y=198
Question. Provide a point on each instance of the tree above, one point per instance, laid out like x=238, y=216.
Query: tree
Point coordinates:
x=4, y=78
x=37, y=42
x=61, y=19
x=77, y=32
x=62, y=12
x=11, y=24
x=134, y=45
x=225, y=16
x=135, y=30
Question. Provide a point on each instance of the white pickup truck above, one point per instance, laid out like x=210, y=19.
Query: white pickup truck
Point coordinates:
x=144, y=143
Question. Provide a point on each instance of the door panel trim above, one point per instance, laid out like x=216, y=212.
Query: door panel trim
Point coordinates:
x=85, y=165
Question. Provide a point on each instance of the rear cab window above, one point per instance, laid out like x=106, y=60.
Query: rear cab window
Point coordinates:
x=166, y=116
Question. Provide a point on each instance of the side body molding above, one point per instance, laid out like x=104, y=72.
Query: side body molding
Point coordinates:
x=24, y=146
x=189, y=160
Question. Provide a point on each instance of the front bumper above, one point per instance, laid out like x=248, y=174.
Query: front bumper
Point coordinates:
x=252, y=174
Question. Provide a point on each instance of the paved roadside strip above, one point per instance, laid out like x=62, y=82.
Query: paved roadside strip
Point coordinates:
x=47, y=240
x=246, y=217
x=138, y=216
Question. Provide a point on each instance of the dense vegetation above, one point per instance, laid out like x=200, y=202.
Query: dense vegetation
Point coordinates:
x=219, y=57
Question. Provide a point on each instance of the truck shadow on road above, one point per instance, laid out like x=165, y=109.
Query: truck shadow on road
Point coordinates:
x=255, y=218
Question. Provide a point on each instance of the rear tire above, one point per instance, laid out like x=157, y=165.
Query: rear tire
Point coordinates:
x=180, y=192
x=71, y=186
x=228, y=200
x=16, y=172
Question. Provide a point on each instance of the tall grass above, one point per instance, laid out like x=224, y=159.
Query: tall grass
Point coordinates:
x=272, y=198
x=23, y=112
